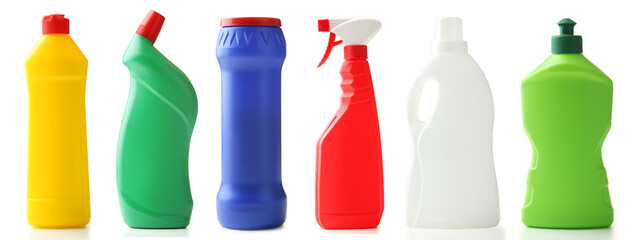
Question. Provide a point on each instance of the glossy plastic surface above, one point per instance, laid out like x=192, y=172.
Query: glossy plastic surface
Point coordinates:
x=251, y=194
x=349, y=175
x=153, y=148
x=58, y=178
x=567, y=109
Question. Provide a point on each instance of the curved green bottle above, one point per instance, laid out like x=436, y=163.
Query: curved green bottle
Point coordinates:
x=153, y=148
x=567, y=109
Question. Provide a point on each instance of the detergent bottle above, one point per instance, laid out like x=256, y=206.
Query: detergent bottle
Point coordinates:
x=567, y=111
x=153, y=147
x=57, y=175
x=349, y=166
x=251, y=52
x=452, y=179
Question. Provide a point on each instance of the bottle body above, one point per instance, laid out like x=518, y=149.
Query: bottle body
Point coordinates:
x=153, y=147
x=58, y=178
x=251, y=194
x=567, y=109
x=452, y=178
x=349, y=169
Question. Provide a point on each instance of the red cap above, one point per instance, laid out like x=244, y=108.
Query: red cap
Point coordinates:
x=151, y=25
x=55, y=23
x=250, y=21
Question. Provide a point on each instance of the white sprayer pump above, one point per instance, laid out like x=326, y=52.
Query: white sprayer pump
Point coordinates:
x=352, y=32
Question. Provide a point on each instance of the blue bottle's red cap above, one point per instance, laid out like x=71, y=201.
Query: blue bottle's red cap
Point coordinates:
x=151, y=25
x=250, y=21
x=55, y=23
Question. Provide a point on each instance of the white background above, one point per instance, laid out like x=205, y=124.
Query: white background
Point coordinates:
x=507, y=38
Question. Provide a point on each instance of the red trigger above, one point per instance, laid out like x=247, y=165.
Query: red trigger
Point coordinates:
x=331, y=44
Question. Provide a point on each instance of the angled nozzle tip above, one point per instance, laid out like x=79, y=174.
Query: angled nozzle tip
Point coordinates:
x=323, y=25
x=566, y=26
x=151, y=25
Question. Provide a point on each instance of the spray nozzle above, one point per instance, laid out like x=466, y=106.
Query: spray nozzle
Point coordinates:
x=567, y=42
x=352, y=32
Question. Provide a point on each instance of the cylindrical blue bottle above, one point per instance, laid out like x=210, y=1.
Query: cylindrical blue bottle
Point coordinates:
x=251, y=52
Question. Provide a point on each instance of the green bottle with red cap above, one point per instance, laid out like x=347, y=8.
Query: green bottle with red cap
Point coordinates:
x=153, y=147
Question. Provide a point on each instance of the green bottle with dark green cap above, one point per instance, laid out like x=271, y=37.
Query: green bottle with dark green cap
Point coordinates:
x=567, y=109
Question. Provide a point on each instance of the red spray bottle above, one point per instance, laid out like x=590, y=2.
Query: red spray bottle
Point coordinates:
x=349, y=170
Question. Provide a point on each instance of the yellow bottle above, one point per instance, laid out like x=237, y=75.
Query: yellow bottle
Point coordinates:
x=58, y=178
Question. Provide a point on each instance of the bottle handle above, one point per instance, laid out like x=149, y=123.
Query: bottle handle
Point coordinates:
x=414, y=121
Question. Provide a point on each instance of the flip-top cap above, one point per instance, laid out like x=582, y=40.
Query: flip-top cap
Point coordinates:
x=151, y=25
x=567, y=42
x=250, y=21
x=55, y=23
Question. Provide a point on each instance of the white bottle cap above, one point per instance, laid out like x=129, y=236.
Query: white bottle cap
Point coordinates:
x=449, y=29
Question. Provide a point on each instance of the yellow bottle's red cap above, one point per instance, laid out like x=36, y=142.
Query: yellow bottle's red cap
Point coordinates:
x=55, y=23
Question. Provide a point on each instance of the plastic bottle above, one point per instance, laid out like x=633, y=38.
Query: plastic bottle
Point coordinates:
x=153, y=148
x=58, y=176
x=349, y=169
x=251, y=52
x=567, y=110
x=452, y=179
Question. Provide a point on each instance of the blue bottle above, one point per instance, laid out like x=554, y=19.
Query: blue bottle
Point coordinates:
x=251, y=52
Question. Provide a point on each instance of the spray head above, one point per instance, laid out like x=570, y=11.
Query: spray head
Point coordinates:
x=352, y=32
x=566, y=42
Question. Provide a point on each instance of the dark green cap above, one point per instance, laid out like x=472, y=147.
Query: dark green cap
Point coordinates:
x=567, y=42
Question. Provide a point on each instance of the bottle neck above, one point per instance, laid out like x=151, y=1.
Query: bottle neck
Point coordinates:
x=355, y=52
x=450, y=46
x=568, y=44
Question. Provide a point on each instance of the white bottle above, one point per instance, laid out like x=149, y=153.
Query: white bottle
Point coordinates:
x=452, y=179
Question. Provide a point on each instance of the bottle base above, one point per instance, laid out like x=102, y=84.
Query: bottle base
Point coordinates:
x=136, y=216
x=567, y=225
x=171, y=226
x=453, y=223
x=251, y=216
x=52, y=213
x=151, y=222
x=343, y=221
x=567, y=221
